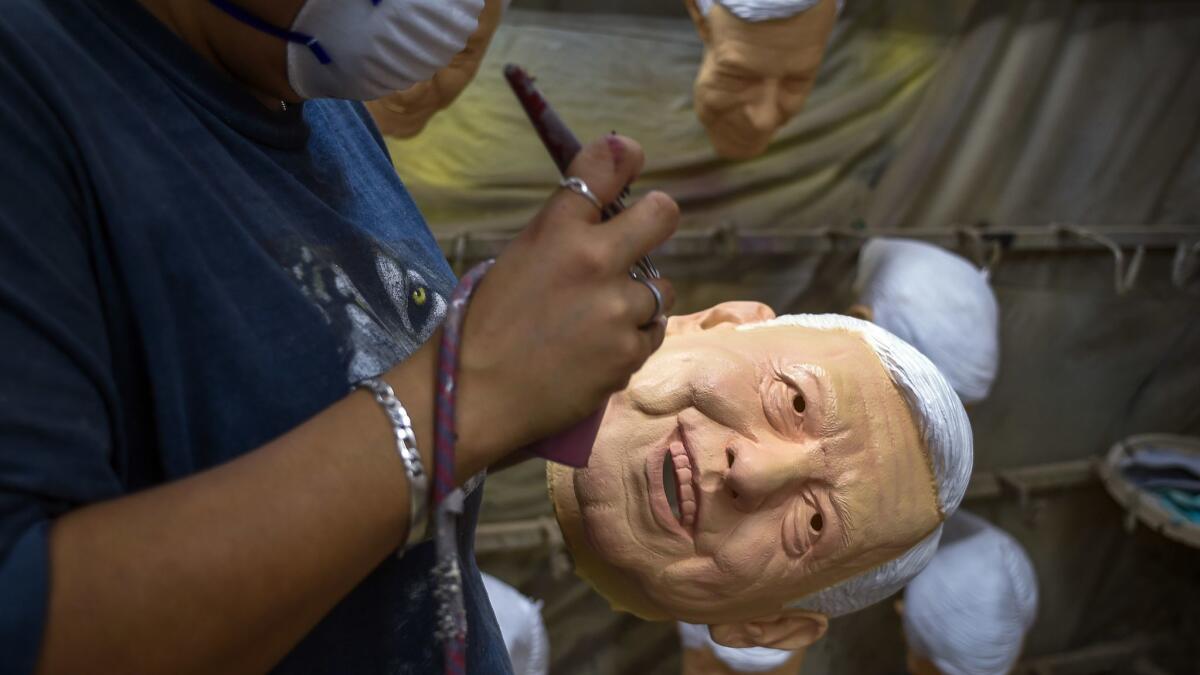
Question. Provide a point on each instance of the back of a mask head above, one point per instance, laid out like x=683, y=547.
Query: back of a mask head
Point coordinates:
x=744, y=660
x=366, y=49
x=969, y=610
x=937, y=302
x=521, y=626
x=762, y=10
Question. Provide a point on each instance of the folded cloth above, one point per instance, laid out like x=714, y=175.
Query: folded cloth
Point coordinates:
x=1159, y=468
x=1186, y=505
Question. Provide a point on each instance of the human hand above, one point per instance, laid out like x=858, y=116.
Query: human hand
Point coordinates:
x=554, y=328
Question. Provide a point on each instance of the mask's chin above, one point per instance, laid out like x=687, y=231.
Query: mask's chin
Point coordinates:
x=731, y=147
x=729, y=142
x=621, y=591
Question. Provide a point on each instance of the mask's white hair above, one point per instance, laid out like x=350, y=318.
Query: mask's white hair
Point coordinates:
x=762, y=10
x=937, y=302
x=969, y=610
x=739, y=659
x=944, y=431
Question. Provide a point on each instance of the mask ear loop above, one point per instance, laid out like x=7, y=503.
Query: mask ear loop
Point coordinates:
x=259, y=24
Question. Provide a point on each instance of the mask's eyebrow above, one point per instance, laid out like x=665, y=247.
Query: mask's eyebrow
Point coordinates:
x=806, y=77
x=845, y=520
x=725, y=67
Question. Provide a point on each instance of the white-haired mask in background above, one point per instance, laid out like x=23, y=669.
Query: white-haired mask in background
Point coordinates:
x=937, y=302
x=703, y=656
x=968, y=612
x=521, y=626
x=761, y=474
x=761, y=59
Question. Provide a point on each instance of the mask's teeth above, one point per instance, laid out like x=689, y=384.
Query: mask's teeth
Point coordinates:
x=685, y=491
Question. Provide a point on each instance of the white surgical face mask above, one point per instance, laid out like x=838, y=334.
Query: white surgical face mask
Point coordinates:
x=367, y=49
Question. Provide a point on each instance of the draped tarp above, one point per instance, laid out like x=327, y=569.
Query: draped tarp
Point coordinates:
x=925, y=115
x=1069, y=111
x=479, y=165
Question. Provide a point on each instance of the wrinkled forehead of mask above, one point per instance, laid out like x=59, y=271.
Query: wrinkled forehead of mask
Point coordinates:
x=366, y=49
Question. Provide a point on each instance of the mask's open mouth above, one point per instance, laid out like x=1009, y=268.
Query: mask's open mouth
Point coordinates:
x=671, y=485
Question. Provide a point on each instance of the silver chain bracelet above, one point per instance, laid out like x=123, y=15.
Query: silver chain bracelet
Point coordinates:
x=406, y=446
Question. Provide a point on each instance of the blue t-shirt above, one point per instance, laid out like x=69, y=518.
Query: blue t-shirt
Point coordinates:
x=184, y=276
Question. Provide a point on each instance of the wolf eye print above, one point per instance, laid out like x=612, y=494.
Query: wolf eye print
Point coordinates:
x=798, y=403
x=816, y=522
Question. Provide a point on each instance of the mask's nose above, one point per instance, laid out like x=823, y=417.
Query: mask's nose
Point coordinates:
x=764, y=113
x=758, y=472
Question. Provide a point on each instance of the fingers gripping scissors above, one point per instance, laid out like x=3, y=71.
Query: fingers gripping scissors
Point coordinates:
x=563, y=147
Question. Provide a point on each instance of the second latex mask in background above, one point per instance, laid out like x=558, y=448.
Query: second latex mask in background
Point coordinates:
x=761, y=59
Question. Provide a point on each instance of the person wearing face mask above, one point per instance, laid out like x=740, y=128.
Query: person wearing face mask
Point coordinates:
x=219, y=331
x=405, y=113
x=761, y=59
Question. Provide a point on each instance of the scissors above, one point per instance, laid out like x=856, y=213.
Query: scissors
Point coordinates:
x=563, y=147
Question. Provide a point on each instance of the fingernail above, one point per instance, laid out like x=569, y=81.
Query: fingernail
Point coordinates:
x=616, y=147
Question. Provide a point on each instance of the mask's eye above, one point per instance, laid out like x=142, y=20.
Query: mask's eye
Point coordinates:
x=784, y=406
x=804, y=527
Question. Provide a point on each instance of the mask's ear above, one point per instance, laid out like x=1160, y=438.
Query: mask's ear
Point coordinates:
x=699, y=19
x=861, y=311
x=724, y=314
x=789, y=629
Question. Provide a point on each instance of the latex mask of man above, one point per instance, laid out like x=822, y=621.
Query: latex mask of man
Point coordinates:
x=405, y=113
x=761, y=59
x=760, y=475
